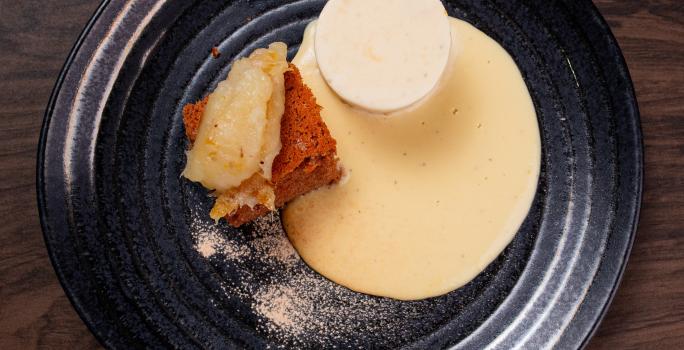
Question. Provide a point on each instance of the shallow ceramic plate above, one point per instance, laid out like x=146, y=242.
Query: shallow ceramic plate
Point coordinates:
x=121, y=225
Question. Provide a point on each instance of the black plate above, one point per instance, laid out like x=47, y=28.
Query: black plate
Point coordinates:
x=117, y=217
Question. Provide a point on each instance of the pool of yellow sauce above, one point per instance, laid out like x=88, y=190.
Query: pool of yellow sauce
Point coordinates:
x=435, y=192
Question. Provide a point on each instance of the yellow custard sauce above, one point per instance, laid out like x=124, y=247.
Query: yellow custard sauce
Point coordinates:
x=435, y=192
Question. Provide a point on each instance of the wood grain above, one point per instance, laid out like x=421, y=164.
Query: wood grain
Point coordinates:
x=648, y=311
x=35, y=38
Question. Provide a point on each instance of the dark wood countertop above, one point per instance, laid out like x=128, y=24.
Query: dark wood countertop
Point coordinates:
x=648, y=311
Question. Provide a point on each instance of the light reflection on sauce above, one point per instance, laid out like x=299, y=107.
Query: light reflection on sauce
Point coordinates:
x=435, y=192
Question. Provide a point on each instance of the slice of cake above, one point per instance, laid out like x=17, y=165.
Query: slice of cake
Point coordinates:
x=307, y=159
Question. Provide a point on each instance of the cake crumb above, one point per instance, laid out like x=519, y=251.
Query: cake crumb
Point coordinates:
x=215, y=52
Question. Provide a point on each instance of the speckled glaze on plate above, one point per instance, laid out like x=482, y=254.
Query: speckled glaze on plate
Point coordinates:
x=115, y=213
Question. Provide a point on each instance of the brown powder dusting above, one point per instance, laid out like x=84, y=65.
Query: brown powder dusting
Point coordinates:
x=210, y=240
x=206, y=245
x=276, y=305
x=295, y=306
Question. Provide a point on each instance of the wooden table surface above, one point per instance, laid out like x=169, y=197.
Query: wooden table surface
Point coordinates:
x=648, y=311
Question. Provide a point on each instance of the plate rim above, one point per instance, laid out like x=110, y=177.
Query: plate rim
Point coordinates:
x=40, y=167
x=598, y=16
